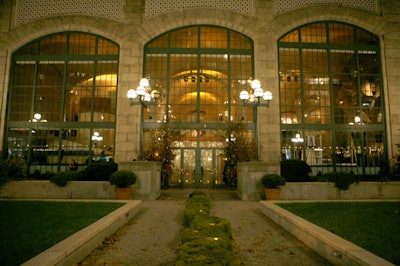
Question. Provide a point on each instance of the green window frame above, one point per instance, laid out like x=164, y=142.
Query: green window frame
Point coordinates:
x=199, y=71
x=62, y=101
x=331, y=98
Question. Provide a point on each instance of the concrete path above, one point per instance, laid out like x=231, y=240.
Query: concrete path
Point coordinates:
x=153, y=236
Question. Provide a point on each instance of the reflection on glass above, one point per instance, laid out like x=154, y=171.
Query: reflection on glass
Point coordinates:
x=326, y=85
x=50, y=100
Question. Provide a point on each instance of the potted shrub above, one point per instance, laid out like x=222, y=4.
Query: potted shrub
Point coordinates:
x=123, y=181
x=272, y=183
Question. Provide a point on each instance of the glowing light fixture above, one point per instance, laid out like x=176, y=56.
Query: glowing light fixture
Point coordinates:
x=143, y=94
x=256, y=95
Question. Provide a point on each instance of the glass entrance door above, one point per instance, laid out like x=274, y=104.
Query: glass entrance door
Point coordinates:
x=197, y=168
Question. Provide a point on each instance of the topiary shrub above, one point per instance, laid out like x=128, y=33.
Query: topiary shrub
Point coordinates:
x=342, y=180
x=295, y=171
x=61, y=179
x=199, y=198
x=3, y=172
x=192, y=210
x=272, y=180
x=123, y=178
x=98, y=171
x=199, y=205
x=212, y=225
x=13, y=169
x=207, y=251
x=206, y=240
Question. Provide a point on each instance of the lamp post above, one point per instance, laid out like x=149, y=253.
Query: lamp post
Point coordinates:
x=256, y=94
x=143, y=94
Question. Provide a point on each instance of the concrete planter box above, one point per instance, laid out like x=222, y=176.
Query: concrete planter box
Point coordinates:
x=328, y=191
x=250, y=188
x=147, y=187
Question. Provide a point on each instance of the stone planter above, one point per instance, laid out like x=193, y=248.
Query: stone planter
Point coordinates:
x=250, y=188
x=272, y=193
x=147, y=186
x=123, y=193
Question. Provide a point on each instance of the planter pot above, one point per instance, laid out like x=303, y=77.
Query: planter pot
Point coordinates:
x=272, y=193
x=123, y=193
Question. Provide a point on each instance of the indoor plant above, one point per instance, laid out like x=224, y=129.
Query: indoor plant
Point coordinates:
x=272, y=183
x=123, y=180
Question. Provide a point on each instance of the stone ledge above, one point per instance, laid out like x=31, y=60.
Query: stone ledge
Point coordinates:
x=76, y=247
x=333, y=248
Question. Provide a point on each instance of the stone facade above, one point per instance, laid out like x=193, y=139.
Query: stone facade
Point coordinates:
x=262, y=20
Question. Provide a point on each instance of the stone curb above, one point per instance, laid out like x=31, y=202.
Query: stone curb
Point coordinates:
x=76, y=247
x=333, y=248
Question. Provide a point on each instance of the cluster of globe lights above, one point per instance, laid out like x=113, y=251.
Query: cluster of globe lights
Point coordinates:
x=257, y=94
x=143, y=93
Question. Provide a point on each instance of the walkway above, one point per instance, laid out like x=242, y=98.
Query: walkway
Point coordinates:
x=153, y=236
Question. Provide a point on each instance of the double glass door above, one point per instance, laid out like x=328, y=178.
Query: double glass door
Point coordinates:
x=198, y=167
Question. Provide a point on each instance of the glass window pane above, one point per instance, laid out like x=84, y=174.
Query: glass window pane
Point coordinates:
x=156, y=66
x=21, y=96
x=28, y=49
x=78, y=98
x=214, y=90
x=20, y=104
x=290, y=86
x=49, y=90
x=364, y=37
x=18, y=142
x=315, y=60
x=24, y=73
x=81, y=44
x=314, y=33
x=343, y=61
x=213, y=37
x=159, y=42
x=185, y=38
x=341, y=33
x=317, y=100
x=291, y=37
x=241, y=77
x=319, y=147
x=75, y=146
x=105, y=95
x=368, y=62
x=53, y=45
x=102, y=140
x=238, y=41
x=107, y=47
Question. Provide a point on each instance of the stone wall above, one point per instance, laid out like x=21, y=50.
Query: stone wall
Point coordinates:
x=132, y=30
x=147, y=186
x=250, y=187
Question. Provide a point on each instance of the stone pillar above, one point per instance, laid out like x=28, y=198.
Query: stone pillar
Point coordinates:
x=249, y=175
x=148, y=184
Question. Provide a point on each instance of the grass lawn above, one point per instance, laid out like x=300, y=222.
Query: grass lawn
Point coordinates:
x=29, y=227
x=374, y=226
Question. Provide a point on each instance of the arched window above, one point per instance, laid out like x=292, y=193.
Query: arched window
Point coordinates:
x=62, y=100
x=332, y=113
x=199, y=72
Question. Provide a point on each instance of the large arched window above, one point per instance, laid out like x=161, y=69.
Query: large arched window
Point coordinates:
x=199, y=72
x=62, y=100
x=332, y=113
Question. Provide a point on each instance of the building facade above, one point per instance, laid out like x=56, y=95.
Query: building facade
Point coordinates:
x=332, y=67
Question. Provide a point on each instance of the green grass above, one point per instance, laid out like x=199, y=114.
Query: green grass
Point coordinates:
x=374, y=226
x=29, y=227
